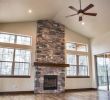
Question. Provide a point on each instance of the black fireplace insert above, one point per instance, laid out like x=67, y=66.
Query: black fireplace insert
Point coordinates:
x=50, y=82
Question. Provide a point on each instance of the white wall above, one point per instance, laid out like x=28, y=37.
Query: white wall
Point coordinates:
x=100, y=44
x=27, y=84
x=75, y=83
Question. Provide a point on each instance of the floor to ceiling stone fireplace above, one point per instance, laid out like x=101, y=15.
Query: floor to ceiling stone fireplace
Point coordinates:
x=50, y=57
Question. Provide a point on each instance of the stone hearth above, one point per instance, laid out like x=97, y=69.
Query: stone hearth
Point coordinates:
x=50, y=48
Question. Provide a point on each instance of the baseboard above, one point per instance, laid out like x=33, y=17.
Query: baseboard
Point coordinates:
x=32, y=92
x=16, y=92
x=81, y=89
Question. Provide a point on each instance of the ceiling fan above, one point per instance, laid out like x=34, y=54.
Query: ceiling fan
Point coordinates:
x=81, y=11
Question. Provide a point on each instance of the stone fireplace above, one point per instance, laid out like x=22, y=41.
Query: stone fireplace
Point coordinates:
x=50, y=57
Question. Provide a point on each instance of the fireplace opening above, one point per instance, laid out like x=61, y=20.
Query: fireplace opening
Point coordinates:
x=50, y=82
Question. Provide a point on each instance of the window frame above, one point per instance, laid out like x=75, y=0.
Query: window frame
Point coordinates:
x=22, y=62
x=77, y=54
x=23, y=36
x=8, y=34
x=15, y=39
x=76, y=47
x=15, y=47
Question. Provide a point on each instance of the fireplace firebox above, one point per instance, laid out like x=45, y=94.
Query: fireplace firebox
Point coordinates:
x=50, y=82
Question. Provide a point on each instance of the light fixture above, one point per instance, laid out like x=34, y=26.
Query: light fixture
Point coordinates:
x=82, y=23
x=30, y=11
x=81, y=14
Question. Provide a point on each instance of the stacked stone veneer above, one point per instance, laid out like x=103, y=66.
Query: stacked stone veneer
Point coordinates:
x=50, y=48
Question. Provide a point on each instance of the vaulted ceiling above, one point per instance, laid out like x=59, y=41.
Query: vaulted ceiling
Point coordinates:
x=17, y=11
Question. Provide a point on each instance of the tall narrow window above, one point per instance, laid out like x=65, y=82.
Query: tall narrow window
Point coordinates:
x=6, y=59
x=22, y=62
x=83, y=65
x=71, y=71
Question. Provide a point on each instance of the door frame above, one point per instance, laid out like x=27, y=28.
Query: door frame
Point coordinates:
x=96, y=75
x=96, y=71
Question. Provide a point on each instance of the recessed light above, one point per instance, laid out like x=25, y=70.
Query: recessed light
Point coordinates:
x=82, y=23
x=30, y=11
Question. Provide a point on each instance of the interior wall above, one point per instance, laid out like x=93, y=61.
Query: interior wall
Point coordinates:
x=27, y=84
x=75, y=83
x=100, y=44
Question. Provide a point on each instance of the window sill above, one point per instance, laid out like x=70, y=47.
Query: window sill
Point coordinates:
x=10, y=76
x=77, y=76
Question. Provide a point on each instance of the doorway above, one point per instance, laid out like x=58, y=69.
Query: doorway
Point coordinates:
x=103, y=71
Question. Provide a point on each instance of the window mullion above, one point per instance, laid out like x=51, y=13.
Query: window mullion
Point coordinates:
x=15, y=39
x=77, y=61
x=13, y=64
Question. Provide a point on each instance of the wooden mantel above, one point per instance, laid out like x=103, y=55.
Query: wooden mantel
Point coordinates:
x=51, y=64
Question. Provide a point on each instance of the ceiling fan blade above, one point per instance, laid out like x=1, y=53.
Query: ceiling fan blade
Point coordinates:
x=88, y=7
x=73, y=8
x=80, y=18
x=90, y=14
x=71, y=15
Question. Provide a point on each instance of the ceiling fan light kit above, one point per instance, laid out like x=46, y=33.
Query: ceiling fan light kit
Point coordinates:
x=82, y=12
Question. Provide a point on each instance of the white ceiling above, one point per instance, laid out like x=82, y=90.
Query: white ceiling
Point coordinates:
x=17, y=11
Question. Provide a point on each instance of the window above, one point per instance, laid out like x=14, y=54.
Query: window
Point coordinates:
x=22, y=62
x=82, y=47
x=14, y=61
x=16, y=39
x=6, y=58
x=77, y=47
x=7, y=38
x=83, y=65
x=70, y=46
x=78, y=60
x=72, y=70
x=23, y=40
